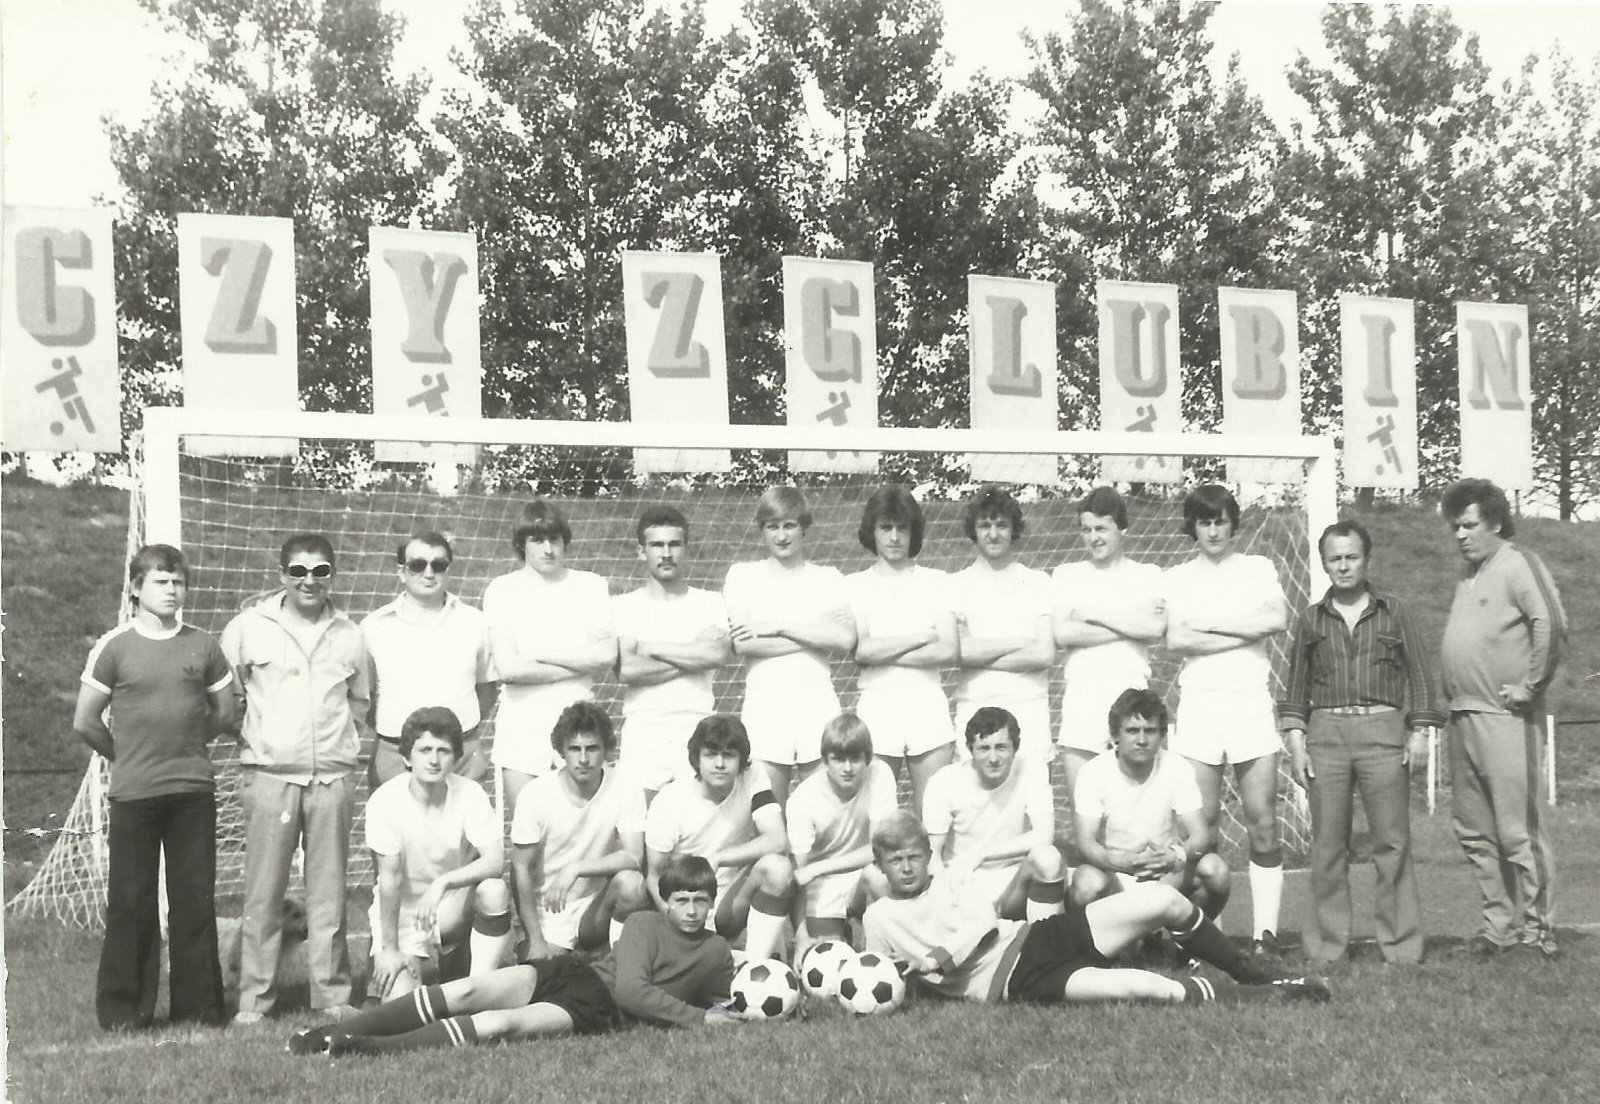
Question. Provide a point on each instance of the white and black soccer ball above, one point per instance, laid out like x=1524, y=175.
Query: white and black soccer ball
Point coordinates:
x=870, y=985
x=764, y=989
x=820, y=967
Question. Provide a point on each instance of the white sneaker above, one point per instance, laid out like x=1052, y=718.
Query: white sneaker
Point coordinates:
x=247, y=1019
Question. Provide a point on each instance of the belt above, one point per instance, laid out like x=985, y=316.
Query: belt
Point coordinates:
x=1354, y=710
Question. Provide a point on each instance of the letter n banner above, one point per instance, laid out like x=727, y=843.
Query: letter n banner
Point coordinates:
x=677, y=356
x=426, y=359
x=1496, y=393
x=236, y=310
x=1012, y=344
x=830, y=341
x=58, y=332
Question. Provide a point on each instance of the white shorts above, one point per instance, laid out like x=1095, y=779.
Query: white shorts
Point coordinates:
x=1085, y=715
x=989, y=881
x=829, y=897
x=414, y=942
x=788, y=731
x=904, y=726
x=655, y=747
x=560, y=929
x=1033, y=719
x=522, y=739
x=1232, y=725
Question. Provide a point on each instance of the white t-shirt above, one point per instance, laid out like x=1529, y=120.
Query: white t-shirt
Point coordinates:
x=956, y=803
x=1137, y=813
x=425, y=658
x=1003, y=603
x=574, y=611
x=766, y=591
x=1198, y=589
x=821, y=825
x=683, y=821
x=1130, y=586
x=650, y=614
x=429, y=839
x=571, y=829
x=893, y=603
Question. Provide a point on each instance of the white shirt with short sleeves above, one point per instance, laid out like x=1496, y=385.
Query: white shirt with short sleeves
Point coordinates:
x=683, y=820
x=1137, y=813
x=894, y=603
x=650, y=614
x=766, y=591
x=429, y=839
x=957, y=804
x=425, y=657
x=1128, y=585
x=822, y=825
x=1200, y=590
x=1003, y=603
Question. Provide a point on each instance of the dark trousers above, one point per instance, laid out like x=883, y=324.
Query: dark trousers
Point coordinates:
x=185, y=826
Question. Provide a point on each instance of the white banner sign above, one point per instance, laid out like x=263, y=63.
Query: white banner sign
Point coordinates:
x=1496, y=393
x=1260, y=349
x=677, y=356
x=1141, y=381
x=58, y=332
x=236, y=308
x=830, y=342
x=1378, y=349
x=426, y=358
x=1012, y=343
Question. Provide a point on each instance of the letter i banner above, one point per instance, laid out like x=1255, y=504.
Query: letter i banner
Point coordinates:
x=677, y=355
x=236, y=311
x=1378, y=351
x=830, y=342
x=1011, y=326
x=426, y=358
x=1260, y=347
x=1496, y=393
x=1141, y=381
x=58, y=332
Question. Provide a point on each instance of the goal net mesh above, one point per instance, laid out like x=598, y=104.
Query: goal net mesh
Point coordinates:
x=236, y=513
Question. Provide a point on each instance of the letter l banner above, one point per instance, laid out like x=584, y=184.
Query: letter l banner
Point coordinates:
x=1012, y=345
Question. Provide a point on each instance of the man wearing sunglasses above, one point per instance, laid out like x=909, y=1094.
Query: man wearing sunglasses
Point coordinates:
x=302, y=669
x=427, y=647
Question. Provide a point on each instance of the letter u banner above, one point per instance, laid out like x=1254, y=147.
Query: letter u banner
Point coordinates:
x=830, y=340
x=1012, y=343
x=58, y=332
x=1141, y=382
x=677, y=358
x=1378, y=349
x=426, y=360
x=236, y=309
x=1496, y=393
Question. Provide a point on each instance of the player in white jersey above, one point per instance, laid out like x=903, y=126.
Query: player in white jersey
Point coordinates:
x=726, y=814
x=671, y=637
x=1138, y=816
x=577, y=842
x=1003, y=623
x=436, y=841
x=905, y=631
x=1108, y=611
x=1222, y=606
x=551, y=631
x=831, y=815
x=790, y=619
x=992, y=821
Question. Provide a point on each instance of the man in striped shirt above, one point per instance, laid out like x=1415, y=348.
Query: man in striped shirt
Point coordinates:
x=1501, y=646
x=1357, y=686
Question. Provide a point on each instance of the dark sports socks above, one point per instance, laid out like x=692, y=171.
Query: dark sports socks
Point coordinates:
x=1198, y=990
x=1204, y=940
x=418, y=1008
x=453, y=1031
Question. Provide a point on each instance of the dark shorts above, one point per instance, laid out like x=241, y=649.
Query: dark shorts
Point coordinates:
x=1053, y=950
x=572, y=986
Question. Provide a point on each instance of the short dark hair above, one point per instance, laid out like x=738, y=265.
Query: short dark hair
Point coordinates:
x=582, y=716
x=540, y=519
x=1137, y=702
x=782, y=502
x=1106, y=502
x=993, y=501
x=687, y=874
x=846, y=737
x=156, y=557
x=719, y=732
x=1490, y=500
x=892, y=503
x=988, y=720
x=306, y=542
x=1209, y=502
x=433, y=720
x=429, y=537
x=656, y=516
x=1348, y=527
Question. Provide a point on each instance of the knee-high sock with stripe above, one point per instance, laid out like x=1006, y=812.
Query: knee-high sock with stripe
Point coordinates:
x=1266, y=890
x=763, y=930
x=1197, y=990
x=1044, y=899
x=453, y=1031
x=418, y=1008
x=489, y=941
x=1205, y=941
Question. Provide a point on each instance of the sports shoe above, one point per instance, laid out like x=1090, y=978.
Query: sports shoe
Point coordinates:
x=310, y=1040
x=247, y=1019
x=1533, y=947
x=1265, y=945
x=1256, y=970
x=339, y=1044
x=1312, y=987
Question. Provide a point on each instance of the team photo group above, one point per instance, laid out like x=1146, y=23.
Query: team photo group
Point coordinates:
x=910, y=845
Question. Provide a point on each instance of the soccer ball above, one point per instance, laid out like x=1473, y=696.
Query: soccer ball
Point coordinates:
x=820, y=966
x=764, y=989
x=869, y=985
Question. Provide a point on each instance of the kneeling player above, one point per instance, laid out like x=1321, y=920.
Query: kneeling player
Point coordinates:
x=666, y=969
x=436, y=840
x=831, y=815
x=729, y=816
x=993, y=823
x=955, y=945
x=1138, y=814
x=577, y=840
